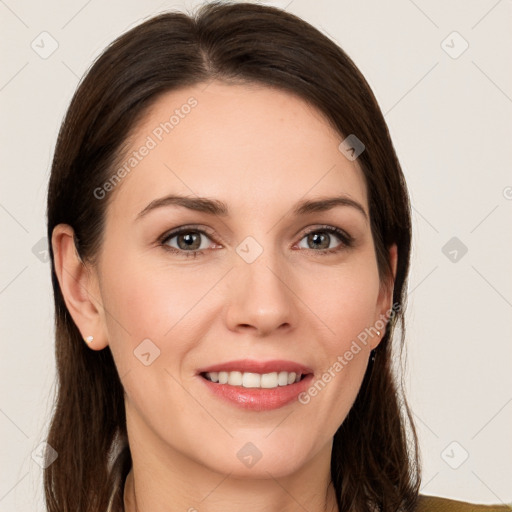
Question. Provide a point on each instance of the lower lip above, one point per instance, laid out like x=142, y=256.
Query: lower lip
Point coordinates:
x=259, y=399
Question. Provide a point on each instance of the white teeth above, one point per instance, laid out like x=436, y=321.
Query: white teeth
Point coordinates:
x=251, y=380
x=269, y=380
x=235, y=378
x=254, y=380
x=282, y=378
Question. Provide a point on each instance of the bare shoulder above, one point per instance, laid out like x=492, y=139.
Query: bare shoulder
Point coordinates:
x=437, y=504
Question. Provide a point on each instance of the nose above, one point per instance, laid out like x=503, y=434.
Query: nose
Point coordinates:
x=261, y=297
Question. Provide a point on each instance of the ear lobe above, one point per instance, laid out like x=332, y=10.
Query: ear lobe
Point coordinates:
x=79, y=287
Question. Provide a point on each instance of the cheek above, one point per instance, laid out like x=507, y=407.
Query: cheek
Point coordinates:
x=176, y=305
x=347, y=308
x=156, y=302
x=348, y=303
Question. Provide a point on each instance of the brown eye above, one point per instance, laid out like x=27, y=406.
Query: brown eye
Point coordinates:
x=186, y=241
x=189, y=240
x=320, y=239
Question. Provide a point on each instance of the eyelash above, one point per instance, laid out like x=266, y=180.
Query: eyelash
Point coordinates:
x=346, y=240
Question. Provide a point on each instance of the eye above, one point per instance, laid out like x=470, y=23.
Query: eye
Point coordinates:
x=189, y=241
x=319, y=240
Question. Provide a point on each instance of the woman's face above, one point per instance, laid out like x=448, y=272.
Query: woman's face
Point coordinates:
x=261, y=288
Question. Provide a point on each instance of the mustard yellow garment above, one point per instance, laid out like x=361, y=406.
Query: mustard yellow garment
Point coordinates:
x=436, y=504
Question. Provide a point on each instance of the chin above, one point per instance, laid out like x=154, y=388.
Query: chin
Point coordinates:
x=260, y=458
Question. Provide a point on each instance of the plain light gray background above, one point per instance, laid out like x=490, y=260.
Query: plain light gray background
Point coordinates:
x=449, y=111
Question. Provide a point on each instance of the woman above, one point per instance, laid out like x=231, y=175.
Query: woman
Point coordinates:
x=230, y=233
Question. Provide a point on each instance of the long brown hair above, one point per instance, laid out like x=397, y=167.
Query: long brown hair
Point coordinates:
x=375, y=459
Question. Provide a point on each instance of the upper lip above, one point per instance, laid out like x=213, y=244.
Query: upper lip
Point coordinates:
x=253, y=366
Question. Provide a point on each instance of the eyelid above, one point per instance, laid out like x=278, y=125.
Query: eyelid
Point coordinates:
x=187, y=227
x=346, y=239
x=340, y=233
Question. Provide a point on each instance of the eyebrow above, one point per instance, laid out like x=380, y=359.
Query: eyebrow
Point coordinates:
x=216, y=207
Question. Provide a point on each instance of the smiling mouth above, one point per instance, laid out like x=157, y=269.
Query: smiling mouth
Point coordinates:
x=254, y=380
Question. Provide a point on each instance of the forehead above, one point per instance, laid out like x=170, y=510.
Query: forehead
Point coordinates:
x=252, y=146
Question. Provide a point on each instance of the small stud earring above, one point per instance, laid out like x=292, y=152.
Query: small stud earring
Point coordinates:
x=89, y=339
x=378, y=333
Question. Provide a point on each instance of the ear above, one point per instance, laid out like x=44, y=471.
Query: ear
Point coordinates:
x=385, y=300
x=79, y=287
